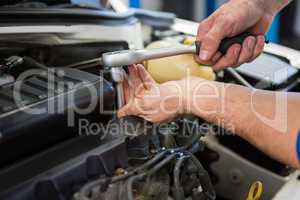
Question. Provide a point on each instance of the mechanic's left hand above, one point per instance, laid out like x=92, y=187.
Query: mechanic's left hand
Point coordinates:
x=149, y=100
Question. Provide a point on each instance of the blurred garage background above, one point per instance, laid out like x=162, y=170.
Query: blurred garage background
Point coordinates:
x=285, y=29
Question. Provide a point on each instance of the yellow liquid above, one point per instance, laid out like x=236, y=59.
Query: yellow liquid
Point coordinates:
x=176, y=67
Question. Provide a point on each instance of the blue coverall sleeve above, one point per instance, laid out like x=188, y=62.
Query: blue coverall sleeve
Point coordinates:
x=298, y=146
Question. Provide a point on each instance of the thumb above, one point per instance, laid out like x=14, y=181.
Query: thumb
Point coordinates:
x=123, y=111
x=211, y=41
x=147, y=80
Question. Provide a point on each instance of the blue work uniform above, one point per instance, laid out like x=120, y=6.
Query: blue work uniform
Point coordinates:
x=298, y=146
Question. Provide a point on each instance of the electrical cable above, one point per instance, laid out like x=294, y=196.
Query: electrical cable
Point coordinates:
x=129, y=185
x=204, y=179
x=191, y=142
x=31, y=62
x=145, y=174
x=138, y=173
x=161, y=164
x=239, y=77
x=83, y=193
x=178, y=193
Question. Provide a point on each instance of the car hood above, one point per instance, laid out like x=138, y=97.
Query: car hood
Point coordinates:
x=52, y=3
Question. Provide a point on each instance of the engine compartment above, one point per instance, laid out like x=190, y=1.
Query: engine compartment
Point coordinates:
x=42, y=157
x=125, y=150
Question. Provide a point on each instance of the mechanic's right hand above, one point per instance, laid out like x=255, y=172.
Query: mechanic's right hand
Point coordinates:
x=149, y=100
x=231, y=19
x=162, y=102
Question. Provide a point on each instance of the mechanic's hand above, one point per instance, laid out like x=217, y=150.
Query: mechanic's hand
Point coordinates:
x=149, y=100
x=162, y=102
x=231, y=19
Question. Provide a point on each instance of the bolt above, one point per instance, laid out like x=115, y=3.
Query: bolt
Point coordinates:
x=236, y=176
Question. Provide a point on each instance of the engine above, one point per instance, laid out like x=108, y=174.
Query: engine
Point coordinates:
x=37, y=119
x=60, y=137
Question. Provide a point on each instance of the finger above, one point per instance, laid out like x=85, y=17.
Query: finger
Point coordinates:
x=124, y=111
x=154, y=118
x=127, y=93
x=211, y=62
x=229, y=59
x=146, y=78
x=259, y=47
x=145, y=117
x=204, y=27
x=211, y=41
x=134, y=78
x=247, y=50
x=131, y=108
x=216, y=57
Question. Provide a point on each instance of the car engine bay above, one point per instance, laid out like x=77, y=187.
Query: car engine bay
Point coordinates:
x=51, y=149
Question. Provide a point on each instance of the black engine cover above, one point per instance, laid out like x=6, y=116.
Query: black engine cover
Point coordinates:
x=23, y=134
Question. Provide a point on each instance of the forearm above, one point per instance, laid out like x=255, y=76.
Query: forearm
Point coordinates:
x=269, y=6
x=274, y=6
x=268, y=120
x=265, y=119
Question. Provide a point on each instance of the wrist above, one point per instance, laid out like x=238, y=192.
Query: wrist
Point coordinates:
x=201, y=97
x=187, y=88
x=273, y=6
x=185, y=94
